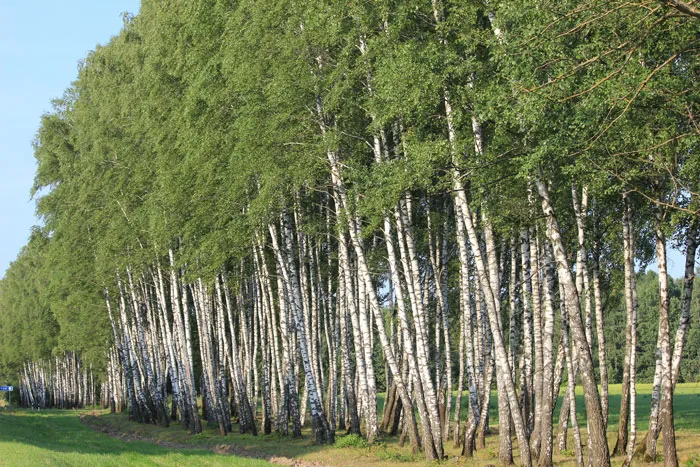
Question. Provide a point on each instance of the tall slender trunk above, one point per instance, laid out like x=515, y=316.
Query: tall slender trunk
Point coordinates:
x=466, y=314
x=630, y=285
x=290, y=398
x=337, y=180
x=438, y=259
x=344, y=302
x=631, y=359
x=513, y=308
x=570, y=380
x=181, y=318
x=648, y=447
x=534, y=416
x=600, y=328
x=262, y=304
x=505, y=446
x=598, y=444
x=691, y=246
x=667, y=389
x=633, y=386
x=526, y=376
x=416, y=294
x=549, y=390
x=460, y=379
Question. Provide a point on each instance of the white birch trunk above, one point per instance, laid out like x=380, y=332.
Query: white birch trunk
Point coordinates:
x=597, y=440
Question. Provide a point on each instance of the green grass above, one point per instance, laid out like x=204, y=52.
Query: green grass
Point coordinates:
x=59, y=438
x=686, y=405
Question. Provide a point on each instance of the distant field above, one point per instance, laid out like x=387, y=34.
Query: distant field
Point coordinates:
x=60, y=438
x=686, y=406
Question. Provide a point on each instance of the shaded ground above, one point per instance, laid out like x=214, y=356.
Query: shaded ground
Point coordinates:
x=58, y=438
x=115, y=428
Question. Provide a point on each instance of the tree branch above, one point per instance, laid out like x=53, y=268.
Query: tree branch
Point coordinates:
x=683, y=7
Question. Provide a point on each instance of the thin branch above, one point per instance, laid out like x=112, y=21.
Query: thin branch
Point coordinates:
x=630, y=101
x=683, y=7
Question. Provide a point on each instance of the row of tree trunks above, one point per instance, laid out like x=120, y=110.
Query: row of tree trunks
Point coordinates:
x=255, y=331
x=59, y=383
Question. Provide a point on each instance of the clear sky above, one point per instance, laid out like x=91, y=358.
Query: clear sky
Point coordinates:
x=41, y=43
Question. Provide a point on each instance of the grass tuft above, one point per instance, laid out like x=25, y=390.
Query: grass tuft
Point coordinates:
x=351, y=441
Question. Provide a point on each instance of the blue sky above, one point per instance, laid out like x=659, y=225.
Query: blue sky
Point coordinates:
x=41, y=43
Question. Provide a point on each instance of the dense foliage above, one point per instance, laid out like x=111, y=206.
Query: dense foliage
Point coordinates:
x=324, y=197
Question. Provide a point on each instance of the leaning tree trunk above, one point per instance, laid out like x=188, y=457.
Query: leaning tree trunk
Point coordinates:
x=246, y=419
x=182, y=323
x=648, y=448
x=505, y=445
x=549, y=390
x=501, y=355
x=415, y=289
x=364, y=274
x=570, y=379
x=598, y=444
x=463, y=210
x=666, y=406
x=466, y=316
x=691, y=246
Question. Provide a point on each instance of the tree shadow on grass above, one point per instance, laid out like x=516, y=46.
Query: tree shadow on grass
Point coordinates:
x=63, y=432
x=270, y=446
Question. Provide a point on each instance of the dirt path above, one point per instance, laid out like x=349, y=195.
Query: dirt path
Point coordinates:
x=94, y=422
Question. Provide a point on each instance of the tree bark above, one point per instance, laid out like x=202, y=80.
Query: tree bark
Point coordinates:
x=549, y=390
x=667, y=389
x=319, y=422
x=628, y=245
x=691, y=246
x=493, y=315
x=598, y=443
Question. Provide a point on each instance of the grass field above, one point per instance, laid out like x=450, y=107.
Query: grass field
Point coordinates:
x=686, y=406
x=60, y=438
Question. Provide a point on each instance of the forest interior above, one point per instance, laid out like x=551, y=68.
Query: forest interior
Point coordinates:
x=430, y=223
